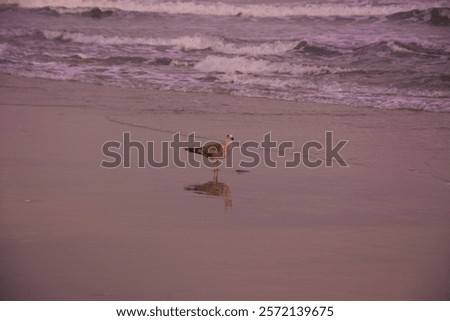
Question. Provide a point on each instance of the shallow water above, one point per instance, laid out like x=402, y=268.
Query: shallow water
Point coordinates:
x=71, y=230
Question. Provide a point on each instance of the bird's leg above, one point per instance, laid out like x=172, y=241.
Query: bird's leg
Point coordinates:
x=216, y=171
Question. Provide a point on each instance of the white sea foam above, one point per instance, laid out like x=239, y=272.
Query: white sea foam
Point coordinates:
x=227, y=9
x=397, y=48
x=270, y=82
x=220, y=45
x=217, y=44
x=260, y=66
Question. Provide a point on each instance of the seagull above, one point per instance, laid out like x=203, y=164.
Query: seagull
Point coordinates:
x=215, y=151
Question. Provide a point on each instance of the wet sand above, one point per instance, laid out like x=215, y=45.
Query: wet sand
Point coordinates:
x=71, y=230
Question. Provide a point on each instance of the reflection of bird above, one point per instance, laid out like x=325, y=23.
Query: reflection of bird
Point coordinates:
x=213, y=188
x=215, y=151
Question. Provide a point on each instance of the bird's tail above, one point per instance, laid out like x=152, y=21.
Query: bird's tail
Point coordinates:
x=193, y=149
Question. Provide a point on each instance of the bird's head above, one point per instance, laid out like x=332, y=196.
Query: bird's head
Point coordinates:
x=230, y=138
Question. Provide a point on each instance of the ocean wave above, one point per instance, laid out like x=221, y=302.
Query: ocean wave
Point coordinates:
x=398, y=48
x=266, y=82
x=95, y=12
x=252, y=48
x=242, y=65
x=437, y=16
x=216, y=44
x=238, y=47
x=115, y=60
x=315, y=50
x=420, y=48
x=226, y=9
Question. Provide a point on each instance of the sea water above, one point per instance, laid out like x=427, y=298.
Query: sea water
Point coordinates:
x=386, y=54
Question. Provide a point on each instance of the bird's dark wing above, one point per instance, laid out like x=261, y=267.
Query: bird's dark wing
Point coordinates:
x=208, y=150
x=212, y=150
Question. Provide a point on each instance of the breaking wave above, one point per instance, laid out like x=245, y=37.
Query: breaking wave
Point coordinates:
x=217, y=44
x=243, y=65
x=226, y=46
x=435, y=16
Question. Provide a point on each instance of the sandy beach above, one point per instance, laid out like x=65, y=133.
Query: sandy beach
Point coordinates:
x=72, y=230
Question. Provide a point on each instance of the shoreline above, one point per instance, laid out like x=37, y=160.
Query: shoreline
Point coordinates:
x=71, y=230
x=272, y=99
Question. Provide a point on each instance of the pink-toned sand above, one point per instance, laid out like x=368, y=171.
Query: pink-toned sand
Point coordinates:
x=71, y=230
